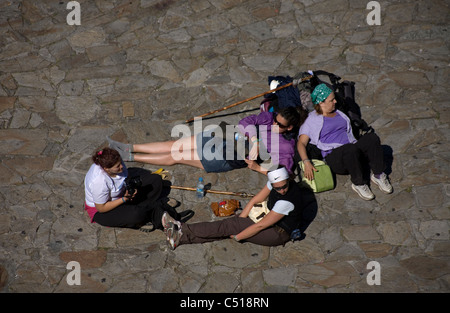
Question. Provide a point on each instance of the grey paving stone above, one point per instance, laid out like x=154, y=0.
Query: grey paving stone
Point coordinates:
x=135, y=69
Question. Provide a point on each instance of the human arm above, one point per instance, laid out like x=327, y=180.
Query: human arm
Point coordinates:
x=308, y=166
x=254, y=151
x=253, y=165
x=249, y=127
x=258, y=198
x=270, y=219
x=111, y=205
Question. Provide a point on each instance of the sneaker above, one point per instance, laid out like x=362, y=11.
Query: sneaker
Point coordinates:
x=382, y=183
x=168, y=220
x=173, y=233
x=363, y=191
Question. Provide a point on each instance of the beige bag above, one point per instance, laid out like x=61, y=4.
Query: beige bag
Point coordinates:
x=258, y=211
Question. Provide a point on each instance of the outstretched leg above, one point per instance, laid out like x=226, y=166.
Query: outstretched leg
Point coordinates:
x=181, y=151
x=166, y=159
x=186, y=143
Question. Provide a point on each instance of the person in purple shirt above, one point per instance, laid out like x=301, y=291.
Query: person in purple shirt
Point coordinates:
x=330, y=130
x=268, y=136
x=274, y=137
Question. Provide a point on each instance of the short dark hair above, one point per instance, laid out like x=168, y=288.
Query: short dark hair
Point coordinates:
x=106, y=157
x=295, y=116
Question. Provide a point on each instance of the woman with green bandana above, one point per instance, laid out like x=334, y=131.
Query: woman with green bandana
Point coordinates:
x=330, y=130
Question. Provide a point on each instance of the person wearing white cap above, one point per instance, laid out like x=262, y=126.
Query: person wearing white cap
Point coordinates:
x=283, y=200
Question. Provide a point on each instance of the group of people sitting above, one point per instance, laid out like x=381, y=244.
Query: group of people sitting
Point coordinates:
x=110, y=203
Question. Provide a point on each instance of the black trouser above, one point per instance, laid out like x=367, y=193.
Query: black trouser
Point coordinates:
x=146, y=207
x=222, y=229
x=349, y=158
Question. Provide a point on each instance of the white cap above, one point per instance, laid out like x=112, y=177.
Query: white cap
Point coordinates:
x=278, y=175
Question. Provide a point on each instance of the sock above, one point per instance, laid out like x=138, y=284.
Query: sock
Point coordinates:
x=120, y=146
x=125, y=150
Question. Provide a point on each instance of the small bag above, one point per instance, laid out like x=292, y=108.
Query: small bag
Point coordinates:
x=258, y=211
x=323, y=179
x=225, y=208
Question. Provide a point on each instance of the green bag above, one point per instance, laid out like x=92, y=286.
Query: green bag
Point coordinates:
x=323, y=179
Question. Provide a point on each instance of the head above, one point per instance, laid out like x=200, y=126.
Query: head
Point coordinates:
x=110, y=160
x=289, y=119
x=323, y=99
x=279, y=179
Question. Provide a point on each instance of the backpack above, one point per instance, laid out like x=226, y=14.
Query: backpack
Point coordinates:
x=300, y=94
x=345, y=98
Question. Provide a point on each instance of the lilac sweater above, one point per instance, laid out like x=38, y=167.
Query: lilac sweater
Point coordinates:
x=313, y=126
x=281, y=150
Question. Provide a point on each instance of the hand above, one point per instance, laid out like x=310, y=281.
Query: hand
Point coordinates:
x=234, y=237
x=309, y=170
x=128, y=196
x=253, y=165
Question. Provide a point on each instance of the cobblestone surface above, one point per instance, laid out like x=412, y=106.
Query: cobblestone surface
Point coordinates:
x=134, y=69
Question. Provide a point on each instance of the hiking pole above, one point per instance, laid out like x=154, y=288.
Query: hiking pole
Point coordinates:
x=229, y=193
x=237, y=103
x=251, y=98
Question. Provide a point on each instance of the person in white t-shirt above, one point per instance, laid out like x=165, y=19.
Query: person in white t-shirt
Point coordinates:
x=108, y=202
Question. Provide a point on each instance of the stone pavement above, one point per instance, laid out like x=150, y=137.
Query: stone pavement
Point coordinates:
x=134, y=69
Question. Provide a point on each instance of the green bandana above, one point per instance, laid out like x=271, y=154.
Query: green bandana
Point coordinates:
x=320, y=93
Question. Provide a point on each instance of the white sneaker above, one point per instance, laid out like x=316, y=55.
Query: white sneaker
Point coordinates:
x=363, y=191
x=168, y=220
x=174, y=234
x=382, y=183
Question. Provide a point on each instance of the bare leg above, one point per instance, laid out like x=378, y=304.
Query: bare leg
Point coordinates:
x=187, y=143
x=187, y=158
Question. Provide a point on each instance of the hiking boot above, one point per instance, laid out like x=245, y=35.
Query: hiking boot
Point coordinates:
x=168, y=220
x=363, y=191
x=173, y=233
x=382, y=183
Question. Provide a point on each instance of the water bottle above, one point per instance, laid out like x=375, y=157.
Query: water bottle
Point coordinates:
x=200, y=188
x=239, y=136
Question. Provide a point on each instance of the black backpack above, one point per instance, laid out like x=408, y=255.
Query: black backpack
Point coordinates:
x=300, y=94
x=345, y=98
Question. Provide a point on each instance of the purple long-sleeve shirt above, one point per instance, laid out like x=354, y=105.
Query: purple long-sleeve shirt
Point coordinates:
x=281, y=150
x=313, y=125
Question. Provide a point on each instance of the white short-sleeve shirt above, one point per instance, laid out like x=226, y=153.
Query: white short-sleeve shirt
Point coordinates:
x=100, y=188
x=281, y=206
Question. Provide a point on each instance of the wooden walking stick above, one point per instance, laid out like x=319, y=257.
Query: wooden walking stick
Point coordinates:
x=249, y=99
x=229, y=193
